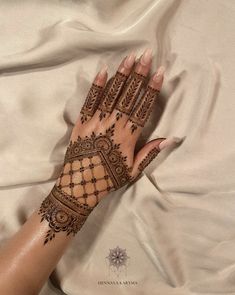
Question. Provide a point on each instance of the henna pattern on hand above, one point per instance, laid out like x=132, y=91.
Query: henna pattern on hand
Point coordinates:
x=129, y=95
x=148, y=159
x=93, y=166
x=111, y=93
x=91, y=102
x=142, y=110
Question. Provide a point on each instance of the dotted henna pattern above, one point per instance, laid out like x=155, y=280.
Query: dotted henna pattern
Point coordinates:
x=91, y=102
x=93, y=166
x=142, y=110
x=111, y=93
x=129, y=95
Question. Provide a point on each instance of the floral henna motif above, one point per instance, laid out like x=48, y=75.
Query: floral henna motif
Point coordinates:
x=63, y=213
x=142, y=110
x=91, y=102
x=129, y=95
x=150, y=156
x=111, y=93
x=93, y=166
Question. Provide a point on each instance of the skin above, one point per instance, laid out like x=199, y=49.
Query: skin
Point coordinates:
x=25, y=263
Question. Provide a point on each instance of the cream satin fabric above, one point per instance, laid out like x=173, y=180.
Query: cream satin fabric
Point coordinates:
x=177, y=222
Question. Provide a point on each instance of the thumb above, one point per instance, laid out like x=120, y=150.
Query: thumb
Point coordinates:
x=149, y=152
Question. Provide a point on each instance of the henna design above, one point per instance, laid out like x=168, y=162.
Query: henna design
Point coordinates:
x=111, y=93
x=142, y=110
x=91, y=102
x=63, y=213
x=93, y=166
x=150, y=156
x=129, y=95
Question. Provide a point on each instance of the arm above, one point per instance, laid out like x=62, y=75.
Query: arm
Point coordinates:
x=98, y=160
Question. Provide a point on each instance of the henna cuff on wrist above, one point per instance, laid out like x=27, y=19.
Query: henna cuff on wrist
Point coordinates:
x=63, y=213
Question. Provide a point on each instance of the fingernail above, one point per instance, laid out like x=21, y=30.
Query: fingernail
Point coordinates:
x=130, y=60
x=102, y=73
x=169, y=142
x=159, y=74
x=146, y=57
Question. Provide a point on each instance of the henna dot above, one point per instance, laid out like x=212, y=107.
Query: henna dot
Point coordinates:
x=85, y=196
x=91, y=166
x=87, y=145
x=81, y=169
x=96, y=193
x=71, y=185
x=93, y=180
x=76, y=150
x=106, y=177
x=83, y=182
x=61, y=216
x=119, y=169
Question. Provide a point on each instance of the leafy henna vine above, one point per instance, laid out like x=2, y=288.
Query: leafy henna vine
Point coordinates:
x=129, y=95
x=142, y=110
x=91, y=102
x=111, y=93
x=93, y=166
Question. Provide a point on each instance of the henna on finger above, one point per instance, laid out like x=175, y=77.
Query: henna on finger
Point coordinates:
x=129, y=95
x=148, y=159
x=91, y=102
x=142, y=110
x=111, y=93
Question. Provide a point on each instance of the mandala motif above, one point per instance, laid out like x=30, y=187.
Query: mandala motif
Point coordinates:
x=117, y=259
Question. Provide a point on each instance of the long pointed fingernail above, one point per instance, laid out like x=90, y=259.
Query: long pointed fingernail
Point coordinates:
x=146, y=57
x=159, y=74
x=103, y=72
x=169, y=142
x=129, y=60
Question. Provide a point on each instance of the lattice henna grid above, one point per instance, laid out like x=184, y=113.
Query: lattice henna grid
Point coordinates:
x=93, y=166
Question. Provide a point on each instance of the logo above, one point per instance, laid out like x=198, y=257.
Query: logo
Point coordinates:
x=117, y=262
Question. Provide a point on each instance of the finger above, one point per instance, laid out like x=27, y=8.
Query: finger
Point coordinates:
x=115, y=86
x=144, y=107
x=149, y=152
x=133, y=86
x=94, y=96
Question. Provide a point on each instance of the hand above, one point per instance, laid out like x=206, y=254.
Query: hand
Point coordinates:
x=100, y=157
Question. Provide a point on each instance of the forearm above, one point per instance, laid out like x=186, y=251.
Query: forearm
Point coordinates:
x=25, y=262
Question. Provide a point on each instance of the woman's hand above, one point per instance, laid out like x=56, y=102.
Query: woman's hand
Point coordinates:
x=100, y=157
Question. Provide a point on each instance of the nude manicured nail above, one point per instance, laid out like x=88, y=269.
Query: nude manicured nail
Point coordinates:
x=159, y=74
x=146, y=57
x=130, y=60
x=103, y=72
x=169, y=142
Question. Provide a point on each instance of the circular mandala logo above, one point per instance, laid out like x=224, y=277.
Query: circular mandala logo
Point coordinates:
x=117, y=259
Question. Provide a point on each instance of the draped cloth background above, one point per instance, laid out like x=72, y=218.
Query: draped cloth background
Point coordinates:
x=177, y=222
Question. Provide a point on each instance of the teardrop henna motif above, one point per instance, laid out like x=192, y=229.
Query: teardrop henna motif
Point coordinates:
x=93, y=166
x=142, y=110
